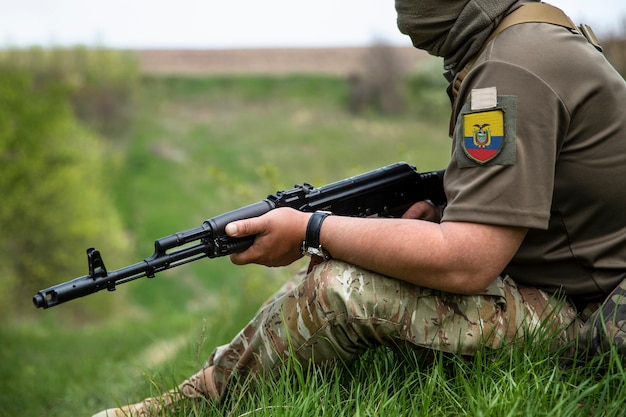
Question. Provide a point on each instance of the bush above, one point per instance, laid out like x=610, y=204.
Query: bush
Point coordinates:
x=378, y=86
x=427, y=89
x=54, y=198
x=615, y=51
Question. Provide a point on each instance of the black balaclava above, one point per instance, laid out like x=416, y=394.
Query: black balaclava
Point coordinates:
x=452, y=29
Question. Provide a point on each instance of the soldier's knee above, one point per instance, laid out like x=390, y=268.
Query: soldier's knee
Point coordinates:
x=612, y=333
x=606, y=328
x=337, y=284
x=604, y=331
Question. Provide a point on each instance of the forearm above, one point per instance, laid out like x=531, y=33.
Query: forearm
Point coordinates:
x=450, y=256
x=454, y=257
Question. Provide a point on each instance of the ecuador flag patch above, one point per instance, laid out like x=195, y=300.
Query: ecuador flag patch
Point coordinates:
x=483, y=135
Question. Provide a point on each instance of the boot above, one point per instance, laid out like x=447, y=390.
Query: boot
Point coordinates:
x=200, y=385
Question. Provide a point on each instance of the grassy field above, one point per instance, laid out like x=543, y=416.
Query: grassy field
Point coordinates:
x=200, y=147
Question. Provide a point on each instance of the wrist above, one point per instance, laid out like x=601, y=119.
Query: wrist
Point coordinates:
x=311, y=245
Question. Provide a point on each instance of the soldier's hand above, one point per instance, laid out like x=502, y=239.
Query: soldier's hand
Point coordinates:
x=423, y=210
x=279, y=235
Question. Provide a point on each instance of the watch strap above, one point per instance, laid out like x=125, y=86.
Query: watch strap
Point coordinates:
x=311, y=244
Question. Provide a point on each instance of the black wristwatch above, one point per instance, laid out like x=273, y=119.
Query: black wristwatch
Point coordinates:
x=311, y=245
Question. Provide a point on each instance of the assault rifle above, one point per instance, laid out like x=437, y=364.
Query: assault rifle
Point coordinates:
x=385, y=192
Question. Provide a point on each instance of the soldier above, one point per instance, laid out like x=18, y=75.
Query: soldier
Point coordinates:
x=533, y=234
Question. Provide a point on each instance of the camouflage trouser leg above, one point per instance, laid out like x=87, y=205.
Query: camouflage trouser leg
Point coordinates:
x=339, y=310
x=606, y=327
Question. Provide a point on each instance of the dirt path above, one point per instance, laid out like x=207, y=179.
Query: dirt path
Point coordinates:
x=334, y=61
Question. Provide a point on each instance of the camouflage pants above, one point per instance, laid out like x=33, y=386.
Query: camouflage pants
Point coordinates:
x=338, y=310
x=606, y=326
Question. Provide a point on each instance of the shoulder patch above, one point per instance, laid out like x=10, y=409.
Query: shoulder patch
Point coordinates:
x=483, y=135
x=487, y=137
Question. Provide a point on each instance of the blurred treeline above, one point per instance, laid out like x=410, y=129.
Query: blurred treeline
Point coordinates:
x=58, y=109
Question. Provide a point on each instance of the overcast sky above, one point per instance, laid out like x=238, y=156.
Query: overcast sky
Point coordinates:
x=232, y=23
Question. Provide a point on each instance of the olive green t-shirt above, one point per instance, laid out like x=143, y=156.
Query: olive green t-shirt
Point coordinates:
x=540, y=142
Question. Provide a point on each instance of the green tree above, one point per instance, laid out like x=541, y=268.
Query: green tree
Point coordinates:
x=53, y=188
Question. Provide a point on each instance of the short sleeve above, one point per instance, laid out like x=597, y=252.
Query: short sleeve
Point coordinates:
x=504, y=148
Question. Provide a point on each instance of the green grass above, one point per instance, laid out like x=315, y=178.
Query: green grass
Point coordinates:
x=527, y=381
x=197, y=148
